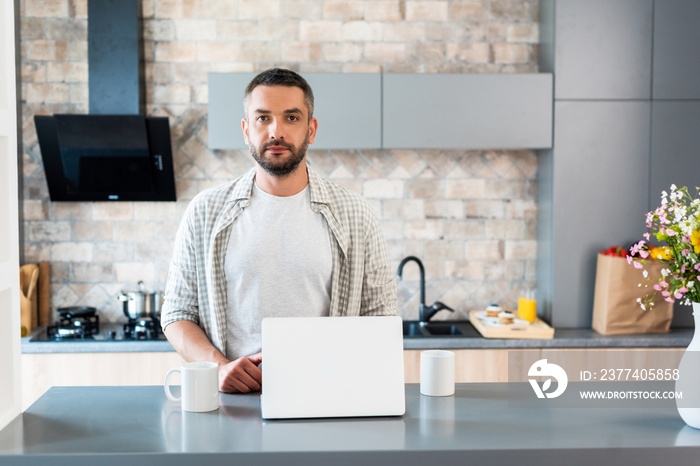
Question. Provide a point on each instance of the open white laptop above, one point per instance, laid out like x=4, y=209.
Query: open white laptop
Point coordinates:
x=332, y=367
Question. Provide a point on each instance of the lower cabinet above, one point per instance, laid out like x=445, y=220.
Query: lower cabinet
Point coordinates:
x=41, y=371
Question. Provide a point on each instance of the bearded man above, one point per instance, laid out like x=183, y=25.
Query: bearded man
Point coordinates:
x=278, y=241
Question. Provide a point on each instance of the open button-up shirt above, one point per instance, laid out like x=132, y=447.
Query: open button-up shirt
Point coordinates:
x=361, y=281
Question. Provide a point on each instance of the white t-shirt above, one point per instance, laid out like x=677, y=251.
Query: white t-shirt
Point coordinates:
x=278, y=263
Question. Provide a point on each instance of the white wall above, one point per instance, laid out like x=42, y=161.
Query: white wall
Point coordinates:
x=9, y=242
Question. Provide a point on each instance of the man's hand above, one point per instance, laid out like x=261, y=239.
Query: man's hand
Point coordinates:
x=242, y=375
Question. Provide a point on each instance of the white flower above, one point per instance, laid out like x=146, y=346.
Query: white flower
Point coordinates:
x=690, y=284
x=665, y=272
x=645, y=273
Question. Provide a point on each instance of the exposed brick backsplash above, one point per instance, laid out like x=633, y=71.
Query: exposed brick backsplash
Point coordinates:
x=469, y=214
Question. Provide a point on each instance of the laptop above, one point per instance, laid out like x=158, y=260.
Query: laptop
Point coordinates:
x=318, y=367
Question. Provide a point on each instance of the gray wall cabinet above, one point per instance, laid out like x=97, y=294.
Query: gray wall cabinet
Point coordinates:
x=675, y=147
x=603, y=49
x=601, y=185
x=676, y=54
x=226, y=109
x=616, y=145
x=347, y=106
x=675, y=139
x=373, y=111
x=467, y=111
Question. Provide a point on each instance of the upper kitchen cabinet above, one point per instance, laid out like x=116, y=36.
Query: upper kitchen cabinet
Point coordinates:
x=676, y=49
x=603, y=48
x=467, y=111
x=428, y=111
x=226, y=109
x=347, y=106
x=675, y=138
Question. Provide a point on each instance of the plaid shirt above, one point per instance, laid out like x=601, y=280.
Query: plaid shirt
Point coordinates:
x=361, y=281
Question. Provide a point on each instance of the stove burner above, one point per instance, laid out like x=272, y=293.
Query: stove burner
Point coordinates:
x=74, y=328
x=145, y=328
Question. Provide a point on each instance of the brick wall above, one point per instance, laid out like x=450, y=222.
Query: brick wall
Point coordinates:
x=470, y=215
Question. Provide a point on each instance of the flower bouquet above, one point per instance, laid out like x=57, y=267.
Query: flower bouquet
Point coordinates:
x=675, y=222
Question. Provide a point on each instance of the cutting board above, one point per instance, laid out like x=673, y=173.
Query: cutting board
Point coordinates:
x=538, y=330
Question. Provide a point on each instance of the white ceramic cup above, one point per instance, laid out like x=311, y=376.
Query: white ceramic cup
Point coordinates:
x=200, y=386
x=437, y=373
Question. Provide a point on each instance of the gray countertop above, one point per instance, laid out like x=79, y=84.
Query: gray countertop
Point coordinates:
x=138, y=425
x=563, y=338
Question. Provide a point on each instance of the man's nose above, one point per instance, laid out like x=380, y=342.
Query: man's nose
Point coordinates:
x=275, y=130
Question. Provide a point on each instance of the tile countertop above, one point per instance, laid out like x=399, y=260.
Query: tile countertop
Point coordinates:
x=563, y=338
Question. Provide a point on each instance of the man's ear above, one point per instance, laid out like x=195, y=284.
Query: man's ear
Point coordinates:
x=244, y=127
x=313, y=126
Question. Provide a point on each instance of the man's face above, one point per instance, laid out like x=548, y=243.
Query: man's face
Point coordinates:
x=277, y=128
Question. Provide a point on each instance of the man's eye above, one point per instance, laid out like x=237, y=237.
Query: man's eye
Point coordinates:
x=262, y=118
x=293, y=118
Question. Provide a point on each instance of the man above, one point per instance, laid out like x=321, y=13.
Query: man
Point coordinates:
x=278, y=241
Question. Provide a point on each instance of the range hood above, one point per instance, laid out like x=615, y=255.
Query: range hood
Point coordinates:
x=114, y=153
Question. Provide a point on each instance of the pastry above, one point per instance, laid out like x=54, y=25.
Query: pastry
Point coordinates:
x=493, y=310
x=506, y=317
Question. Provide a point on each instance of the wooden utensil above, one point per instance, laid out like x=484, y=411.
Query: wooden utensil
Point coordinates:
x=44, y=317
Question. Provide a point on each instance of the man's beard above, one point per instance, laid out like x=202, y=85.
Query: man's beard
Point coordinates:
x=271, y=165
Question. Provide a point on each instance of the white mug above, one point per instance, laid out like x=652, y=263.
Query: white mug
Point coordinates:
x=437, y=373
x=200, y=386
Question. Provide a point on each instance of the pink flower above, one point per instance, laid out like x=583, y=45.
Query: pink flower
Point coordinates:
x=697, y=266
x=647, y=236
x=657, y=287
x=629, y=260
x=665, y=293
x=637, y=265
x=636, y=247
x=670, y=300
x=670, y=232
x=683, y=289
x=685, y=252
x=678, y=294
x=663, y=284
x=643, y=254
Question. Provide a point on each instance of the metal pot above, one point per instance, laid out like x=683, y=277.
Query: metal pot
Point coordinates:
x=141, y=303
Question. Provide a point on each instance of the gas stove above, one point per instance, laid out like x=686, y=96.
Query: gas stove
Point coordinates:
x=83, y=324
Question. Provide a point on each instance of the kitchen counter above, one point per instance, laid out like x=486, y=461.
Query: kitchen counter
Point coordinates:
x=563, y=338
x=113, y=425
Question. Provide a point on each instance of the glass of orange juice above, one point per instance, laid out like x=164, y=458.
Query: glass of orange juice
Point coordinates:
x=527, y=307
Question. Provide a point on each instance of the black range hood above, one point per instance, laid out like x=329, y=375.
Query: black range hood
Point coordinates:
x=114, y=153
x=106, y=157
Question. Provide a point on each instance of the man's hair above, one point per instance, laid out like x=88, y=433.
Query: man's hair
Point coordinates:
x=280, y=77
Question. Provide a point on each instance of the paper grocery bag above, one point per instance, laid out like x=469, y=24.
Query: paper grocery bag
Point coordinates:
x=615, y=307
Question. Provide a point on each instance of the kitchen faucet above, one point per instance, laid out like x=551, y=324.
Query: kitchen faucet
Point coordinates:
x=424, y=314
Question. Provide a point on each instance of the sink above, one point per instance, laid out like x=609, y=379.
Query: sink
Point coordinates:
x=438, y=328
x=412, y=329
x=444, y=330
